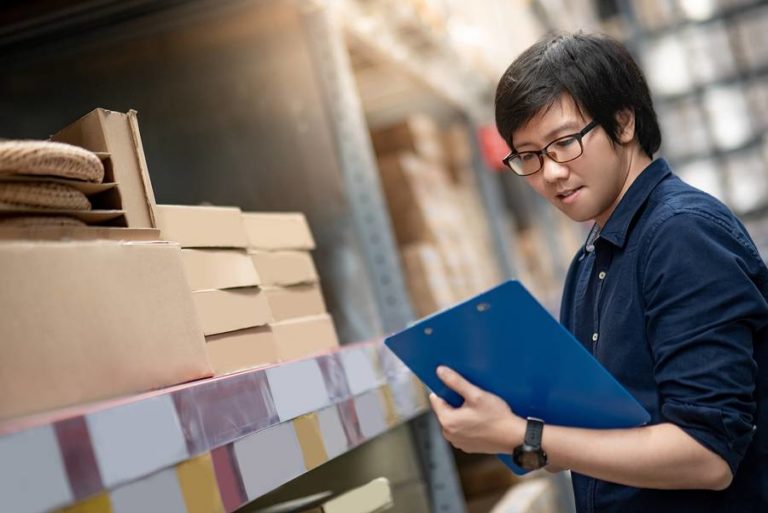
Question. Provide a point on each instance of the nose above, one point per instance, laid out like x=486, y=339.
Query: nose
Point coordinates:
x=553, y=172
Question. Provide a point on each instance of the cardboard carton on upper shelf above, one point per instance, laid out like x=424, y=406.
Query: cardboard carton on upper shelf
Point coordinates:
x=298, y=338
x=221, y=311
x=86, y=321
x=418, y=134
x=219, y=269
x=293, y=302
x=273, y=231
x=243, y=349
x=283, y=268
x=202, y=227
x=279, y=342
x=117, y=134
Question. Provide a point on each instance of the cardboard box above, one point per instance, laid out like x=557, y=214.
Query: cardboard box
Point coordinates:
x=418, y=196
x=219, y=269
x=299, y=338
x=202, y=227
x=370, y=498
x=427, y=278
x=115, y=133
x=243, y=349
x=418, y=134
x=85, y=321
x=221, y=311
x=254, y=347
x=281, y=268
x=457, y=140
x=294, y=302
x=278, y=231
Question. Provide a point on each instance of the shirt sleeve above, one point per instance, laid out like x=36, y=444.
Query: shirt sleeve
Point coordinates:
x=703, y=308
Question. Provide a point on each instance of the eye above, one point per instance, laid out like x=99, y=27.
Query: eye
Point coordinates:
x=564, y=143
x=527, y=157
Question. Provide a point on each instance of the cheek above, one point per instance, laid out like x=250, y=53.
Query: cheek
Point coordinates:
x=535, y=182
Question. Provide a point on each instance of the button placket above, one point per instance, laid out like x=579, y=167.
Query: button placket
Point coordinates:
x=602, y=257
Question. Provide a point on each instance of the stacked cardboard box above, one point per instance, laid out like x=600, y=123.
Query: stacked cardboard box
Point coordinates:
x=253, y=282
x=89, y=320
x=224, y=283
x=279, y=246
x=435, y=210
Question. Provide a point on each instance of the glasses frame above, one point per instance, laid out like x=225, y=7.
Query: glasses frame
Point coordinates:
x=544, y=151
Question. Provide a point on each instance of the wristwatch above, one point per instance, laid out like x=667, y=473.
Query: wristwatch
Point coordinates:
x=530, y=455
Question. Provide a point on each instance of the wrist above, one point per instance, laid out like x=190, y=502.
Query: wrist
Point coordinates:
x=515, y=432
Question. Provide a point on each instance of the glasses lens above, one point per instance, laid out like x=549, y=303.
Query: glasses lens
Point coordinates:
x=565, y=149
x=525, y=163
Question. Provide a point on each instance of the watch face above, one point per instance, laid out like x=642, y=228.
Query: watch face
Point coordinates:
x=529, y=459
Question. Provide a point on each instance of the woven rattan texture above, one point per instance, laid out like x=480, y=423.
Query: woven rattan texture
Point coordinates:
x=43, y=195
x=49, y=159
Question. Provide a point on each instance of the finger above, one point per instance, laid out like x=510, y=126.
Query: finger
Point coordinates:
x=458, y=384
x=438, y=405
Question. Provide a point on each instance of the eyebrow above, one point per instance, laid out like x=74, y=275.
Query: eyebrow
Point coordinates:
x=571, y=125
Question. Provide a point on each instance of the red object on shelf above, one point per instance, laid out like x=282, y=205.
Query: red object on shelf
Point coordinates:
x=492, y=147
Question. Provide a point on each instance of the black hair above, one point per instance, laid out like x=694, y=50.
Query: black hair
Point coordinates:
x=597, y=71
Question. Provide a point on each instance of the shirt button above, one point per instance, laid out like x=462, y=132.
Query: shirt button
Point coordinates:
x=594, y=337
x=601, y=275
x=590, y=248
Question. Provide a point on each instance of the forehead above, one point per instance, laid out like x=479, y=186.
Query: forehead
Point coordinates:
x=562, y=112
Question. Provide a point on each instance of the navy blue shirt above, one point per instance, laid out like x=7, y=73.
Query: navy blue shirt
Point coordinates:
x=672, y=298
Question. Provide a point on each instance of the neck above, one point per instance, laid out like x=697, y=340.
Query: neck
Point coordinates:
x=634, y=163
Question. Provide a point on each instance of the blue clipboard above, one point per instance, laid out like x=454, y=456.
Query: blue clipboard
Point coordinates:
x=505, y=342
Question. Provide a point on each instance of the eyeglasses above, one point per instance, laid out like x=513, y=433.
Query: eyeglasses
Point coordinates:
x=561, y=150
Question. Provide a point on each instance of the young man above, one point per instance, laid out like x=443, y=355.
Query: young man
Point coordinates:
x=668, y=293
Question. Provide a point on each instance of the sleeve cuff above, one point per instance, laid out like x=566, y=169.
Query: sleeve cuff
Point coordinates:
x=729, y=437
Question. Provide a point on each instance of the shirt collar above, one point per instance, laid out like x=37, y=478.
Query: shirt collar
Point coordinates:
x=616, y=228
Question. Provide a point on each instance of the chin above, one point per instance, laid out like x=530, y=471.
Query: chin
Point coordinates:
x=579, y=217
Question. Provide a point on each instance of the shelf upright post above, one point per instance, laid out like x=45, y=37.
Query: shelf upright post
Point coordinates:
x=493, y=204
x=372, y=224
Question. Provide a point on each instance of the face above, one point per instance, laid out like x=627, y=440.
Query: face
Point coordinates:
x=587, y=188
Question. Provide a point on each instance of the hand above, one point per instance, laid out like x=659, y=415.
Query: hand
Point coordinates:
x=483, y=424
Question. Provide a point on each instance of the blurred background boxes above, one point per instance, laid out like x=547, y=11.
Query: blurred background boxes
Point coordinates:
x=417, y=133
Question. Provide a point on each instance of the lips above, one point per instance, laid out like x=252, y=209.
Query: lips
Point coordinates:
x=567, y=193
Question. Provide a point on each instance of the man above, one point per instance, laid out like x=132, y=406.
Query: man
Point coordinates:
x=668, y=293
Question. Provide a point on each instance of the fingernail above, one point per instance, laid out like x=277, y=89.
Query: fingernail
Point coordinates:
x=441, y=371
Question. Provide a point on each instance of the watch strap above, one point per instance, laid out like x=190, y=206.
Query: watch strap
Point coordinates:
x=533, y=432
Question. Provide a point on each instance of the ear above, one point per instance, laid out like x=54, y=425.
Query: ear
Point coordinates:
x=626, y=125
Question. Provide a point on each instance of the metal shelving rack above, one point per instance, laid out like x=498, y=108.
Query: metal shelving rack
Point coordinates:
x=360, y=173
